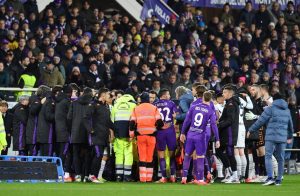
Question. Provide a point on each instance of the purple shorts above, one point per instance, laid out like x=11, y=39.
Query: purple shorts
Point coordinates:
x=196, y=142
x=166, y=137
x=98, y=150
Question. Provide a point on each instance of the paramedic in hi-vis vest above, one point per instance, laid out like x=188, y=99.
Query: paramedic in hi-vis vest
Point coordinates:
x=145, y=120
x=27, y=80
x=120, y=116
x=3, y=143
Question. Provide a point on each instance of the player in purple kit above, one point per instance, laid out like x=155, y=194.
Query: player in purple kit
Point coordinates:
x=167, y=135
x=200, y=90
x=194, y=127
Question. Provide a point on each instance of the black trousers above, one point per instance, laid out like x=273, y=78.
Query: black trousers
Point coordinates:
x=46, y=149
x=32, y=149
x=226, y=154
x=63, y=151
x=82, y=159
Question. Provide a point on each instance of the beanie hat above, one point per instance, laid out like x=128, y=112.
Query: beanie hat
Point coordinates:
x=67, y=89
x=76, y=68
x=42, y=90
x=155, y=34
x=243, y=79
x=23, y=97
x=138, y=37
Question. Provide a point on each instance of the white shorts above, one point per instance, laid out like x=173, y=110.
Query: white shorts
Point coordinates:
x=105, y=152
x=241, y=136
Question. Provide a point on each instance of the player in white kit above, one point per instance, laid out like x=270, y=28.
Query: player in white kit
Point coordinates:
x=245, y=102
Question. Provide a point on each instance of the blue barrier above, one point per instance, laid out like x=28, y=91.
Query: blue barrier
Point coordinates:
x=56, y=160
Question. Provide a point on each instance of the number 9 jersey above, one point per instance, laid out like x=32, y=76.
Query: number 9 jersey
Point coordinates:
x=197, y=118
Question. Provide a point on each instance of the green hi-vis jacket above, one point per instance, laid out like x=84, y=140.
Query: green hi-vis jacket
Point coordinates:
x=29, y=82
x=120, y=115
x=3, y=142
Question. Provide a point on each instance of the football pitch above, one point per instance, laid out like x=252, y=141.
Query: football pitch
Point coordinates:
x=290, y=187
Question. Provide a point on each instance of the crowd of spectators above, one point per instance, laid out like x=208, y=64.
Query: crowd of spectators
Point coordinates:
x=68, y=43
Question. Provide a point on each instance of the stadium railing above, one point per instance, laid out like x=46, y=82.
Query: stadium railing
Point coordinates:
x=31, y=169
x=9, y=94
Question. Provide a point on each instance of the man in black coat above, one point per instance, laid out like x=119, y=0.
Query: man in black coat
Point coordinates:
x=45, y=129
x=8, y=124
x=121, y=80
x=228, y=128
x=62, y=130
x=32, y=122
x=79, y=134
x=99, y=125
x=95, y=78
x=247, y=14
x=87, y=15
x=19, y=125
x=262, y=17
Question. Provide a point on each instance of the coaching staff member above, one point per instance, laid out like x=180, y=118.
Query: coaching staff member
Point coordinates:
x=279, y=131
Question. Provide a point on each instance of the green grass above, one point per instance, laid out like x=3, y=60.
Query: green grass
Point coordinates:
x=290, y=187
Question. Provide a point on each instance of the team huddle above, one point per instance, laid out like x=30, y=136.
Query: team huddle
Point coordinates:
x=191, y=141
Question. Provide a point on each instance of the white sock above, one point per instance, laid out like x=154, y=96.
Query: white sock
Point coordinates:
x=275, y=165
x=159, y=172
x=101, y=169
x=235, y=174
x=251, y=167
x=67, y=174
x=244, y=165
x=227, y=172
x=238, y=164
x=219, y=167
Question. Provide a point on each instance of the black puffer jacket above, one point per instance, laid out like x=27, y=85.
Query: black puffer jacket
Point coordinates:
x=32, y=123
x=46, y=127
x=97, y=121
x=62, y=131
x=229, y=122
x=77, y=111
x=19, y=126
